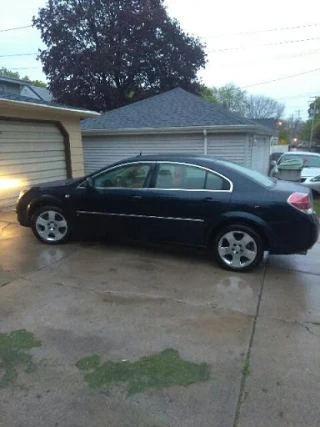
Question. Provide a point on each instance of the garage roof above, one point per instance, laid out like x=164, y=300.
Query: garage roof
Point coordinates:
x=23, y=100
x=174, y=109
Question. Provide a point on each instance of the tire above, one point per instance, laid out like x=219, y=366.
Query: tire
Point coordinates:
x=238, y=248
x=50, y=225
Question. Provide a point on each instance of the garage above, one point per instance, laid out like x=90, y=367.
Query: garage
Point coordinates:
x=30, y=153
x=174, y=122
x=40, y=142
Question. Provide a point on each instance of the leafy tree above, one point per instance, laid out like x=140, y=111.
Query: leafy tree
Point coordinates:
x=231, y=97
x=314, y=115
x=238, y=101
x=263, y=107
x=102, y=54
x=15, y=75
x=208, y=94
x=6, y=72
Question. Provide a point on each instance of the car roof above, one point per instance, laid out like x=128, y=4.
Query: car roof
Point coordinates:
x=175, y=157
x=303, y=153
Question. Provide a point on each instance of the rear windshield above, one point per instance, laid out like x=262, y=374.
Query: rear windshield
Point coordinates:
x=308, y=161
x=255, y=176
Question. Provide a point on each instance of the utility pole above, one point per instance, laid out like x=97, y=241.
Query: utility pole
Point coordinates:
x=313, y=119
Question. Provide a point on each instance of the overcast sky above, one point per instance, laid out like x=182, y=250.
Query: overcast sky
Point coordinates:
x=251, y=58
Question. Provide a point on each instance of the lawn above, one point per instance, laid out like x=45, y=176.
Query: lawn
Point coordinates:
x=317, y=206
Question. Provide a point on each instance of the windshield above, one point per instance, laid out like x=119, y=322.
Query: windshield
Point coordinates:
x=308, y=161
x=255, y=176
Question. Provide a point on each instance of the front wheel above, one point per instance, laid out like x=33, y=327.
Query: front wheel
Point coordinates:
x=238, y=248
x=50, y=225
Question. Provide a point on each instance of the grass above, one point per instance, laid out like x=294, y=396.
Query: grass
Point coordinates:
x=316, y=203
x=162, y=370
x=13, y=347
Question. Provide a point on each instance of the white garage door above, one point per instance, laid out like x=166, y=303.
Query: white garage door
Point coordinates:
x=30, y=153
x=99, y=152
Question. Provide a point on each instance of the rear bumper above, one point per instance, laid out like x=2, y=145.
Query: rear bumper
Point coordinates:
x=297, y=238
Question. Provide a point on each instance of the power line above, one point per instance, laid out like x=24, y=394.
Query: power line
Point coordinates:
x=18, y=54
x=282, y=78
x=267, y=59
x=269, y=30
x=15, y=28
x=25, y=68
x=263, y=45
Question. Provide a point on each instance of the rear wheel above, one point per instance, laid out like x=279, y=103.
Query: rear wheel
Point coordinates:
x=238, y=248
x=50, y=225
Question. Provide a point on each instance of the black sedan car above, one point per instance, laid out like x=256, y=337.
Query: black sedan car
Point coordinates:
x=234, y=211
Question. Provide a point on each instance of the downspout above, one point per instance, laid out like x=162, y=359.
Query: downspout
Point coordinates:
x=205, y=148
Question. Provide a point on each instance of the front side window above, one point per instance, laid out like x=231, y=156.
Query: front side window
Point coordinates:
x=129, y=176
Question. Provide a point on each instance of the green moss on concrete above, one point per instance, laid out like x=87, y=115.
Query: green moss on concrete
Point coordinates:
x=158, y=371
x=13, y=347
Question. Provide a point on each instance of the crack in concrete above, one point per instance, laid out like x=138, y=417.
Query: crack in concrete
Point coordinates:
x=246, y=368
x=295, y=322
x=148, y=297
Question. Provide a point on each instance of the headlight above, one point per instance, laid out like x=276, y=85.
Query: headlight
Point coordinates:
x=315, y=179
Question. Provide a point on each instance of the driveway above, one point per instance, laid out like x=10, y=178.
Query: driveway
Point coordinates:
x=117, y=335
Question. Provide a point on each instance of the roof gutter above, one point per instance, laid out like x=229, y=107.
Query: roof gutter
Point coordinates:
x=178, y=130
x=73, y=111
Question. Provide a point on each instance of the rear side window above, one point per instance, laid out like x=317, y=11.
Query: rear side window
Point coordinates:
x=255, y=176
x=216, y=182
x=185, y=177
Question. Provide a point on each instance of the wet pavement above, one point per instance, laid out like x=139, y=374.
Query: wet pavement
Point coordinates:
x=258, y=334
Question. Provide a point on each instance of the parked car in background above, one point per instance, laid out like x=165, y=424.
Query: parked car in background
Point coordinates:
x=310, y=174
x=236, y=212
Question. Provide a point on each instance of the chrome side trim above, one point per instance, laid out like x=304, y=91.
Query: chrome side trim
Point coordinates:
x=139, y=216
x=80, y=186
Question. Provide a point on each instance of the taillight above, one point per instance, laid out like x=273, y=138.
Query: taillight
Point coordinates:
x=301, y=201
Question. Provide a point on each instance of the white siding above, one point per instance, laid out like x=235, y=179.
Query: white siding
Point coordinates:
x=102, y=151
x=30, y=153
x=261, y=154
x=232, y=147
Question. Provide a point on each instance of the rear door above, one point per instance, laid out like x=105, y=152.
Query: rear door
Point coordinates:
x=184, y=202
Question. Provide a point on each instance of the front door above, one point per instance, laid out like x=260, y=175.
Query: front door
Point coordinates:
x=114, y=204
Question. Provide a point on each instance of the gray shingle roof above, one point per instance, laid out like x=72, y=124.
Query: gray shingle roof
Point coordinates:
x=267, y=123
x=21, y=98
x=176, y=108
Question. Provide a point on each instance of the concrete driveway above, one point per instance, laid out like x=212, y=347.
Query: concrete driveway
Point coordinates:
x=115, y=335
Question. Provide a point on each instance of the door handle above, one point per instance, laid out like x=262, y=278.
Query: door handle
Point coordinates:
x=137, y=197
x=208, y=199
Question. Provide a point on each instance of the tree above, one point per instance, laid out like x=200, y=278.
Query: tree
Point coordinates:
x=6, y=72
x=208, y=94
x=314, y=116
x=103, y=54
x=231, y=97
x=263, y=107
x=15, y=75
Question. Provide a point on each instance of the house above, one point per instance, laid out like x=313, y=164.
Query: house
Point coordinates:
x=174, y=122
x=40, y=141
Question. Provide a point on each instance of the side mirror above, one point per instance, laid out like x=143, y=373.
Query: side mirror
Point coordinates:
x=273, y=163
x=88, y=183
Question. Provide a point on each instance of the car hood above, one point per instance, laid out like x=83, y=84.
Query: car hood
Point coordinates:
x=310, y=172
x=59, y=183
